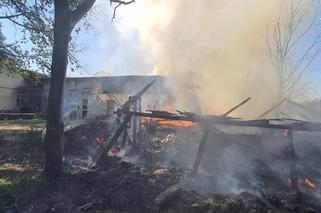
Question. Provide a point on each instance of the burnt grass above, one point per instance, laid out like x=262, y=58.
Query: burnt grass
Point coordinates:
x=112, y=186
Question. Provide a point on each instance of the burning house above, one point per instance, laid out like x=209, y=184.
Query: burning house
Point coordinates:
x=86, y=96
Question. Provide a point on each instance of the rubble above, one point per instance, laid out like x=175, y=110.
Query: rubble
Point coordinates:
x=166, y=166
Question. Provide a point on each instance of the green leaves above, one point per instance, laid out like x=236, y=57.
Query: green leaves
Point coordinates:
x=33, y=49
x=8, y=63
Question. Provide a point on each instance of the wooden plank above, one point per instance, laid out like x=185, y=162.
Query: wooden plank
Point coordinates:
x=292, y=159
x=236, y=107
x=271, y=109
x=201, y=149
x=260, y=123
x=114, y=139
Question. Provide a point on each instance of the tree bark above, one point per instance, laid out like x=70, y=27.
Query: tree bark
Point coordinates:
x=65, y=20
x=55, y=125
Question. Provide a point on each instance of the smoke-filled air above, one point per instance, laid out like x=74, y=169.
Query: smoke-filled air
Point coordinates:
x=215, y=51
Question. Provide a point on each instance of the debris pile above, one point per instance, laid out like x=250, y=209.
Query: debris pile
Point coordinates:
x=172, y=156
x=89, y=135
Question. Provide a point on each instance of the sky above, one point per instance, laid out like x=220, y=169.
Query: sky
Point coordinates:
x=103, y=46
x=107, y=48
x=116, y=48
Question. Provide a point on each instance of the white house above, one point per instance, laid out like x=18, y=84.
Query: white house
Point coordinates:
x=102, y=95
x=19, y=92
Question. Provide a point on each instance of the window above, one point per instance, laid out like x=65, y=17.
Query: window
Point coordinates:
x=84, y=107
x=110, y=106
x=19, y=100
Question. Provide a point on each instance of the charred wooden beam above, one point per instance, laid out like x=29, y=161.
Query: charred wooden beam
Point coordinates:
x=123, y=126
x=139, y=121
x=201, y=149
x=133, y=99
x=236, y=107
x=271, y=109
x=125, y=135
x=206, y=132
x=292, y=159
x=285, y=115
x=134, y=124
x=260, y=123
x=113, y=140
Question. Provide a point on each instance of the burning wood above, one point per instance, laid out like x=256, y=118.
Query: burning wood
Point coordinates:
x=162, y=171
x=173, y=122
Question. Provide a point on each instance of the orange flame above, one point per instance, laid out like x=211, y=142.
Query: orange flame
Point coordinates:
x=302, y=181
x=166, y=106
x=309, y=183
x=176, y=123
x=110, y=153
x=286, y=133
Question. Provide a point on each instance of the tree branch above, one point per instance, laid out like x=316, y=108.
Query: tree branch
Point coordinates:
x=119, y=2
x=25, y=26
x=10, y=16
x=80, y=11
x=25, y=14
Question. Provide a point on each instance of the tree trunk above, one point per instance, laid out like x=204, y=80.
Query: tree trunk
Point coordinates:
x=55, y=125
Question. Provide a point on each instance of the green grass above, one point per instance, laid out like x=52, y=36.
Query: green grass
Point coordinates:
x=36, y=123
x=23, y=154
x=32, y=123
x=13, y=180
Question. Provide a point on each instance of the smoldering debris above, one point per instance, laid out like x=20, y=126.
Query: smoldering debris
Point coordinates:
x=244, y=172
x=183, y=158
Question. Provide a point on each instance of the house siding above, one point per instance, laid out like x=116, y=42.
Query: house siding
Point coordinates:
x=102, y=95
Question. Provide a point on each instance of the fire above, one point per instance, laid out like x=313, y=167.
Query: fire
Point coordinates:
x=176, y=123
x=286, y=133
x=309, y=183
x=101, y=142
x=173, y=124
x=167, y=107
x=110, y=153
x=162, y=171
x=304, y=181
x=283, y=133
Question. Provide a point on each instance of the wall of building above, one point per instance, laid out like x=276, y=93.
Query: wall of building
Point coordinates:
x=102, y=95
x=9, y=93
x=18, y=94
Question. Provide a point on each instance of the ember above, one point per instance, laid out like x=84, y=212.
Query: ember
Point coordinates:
x=307, y=181
x=304, y=181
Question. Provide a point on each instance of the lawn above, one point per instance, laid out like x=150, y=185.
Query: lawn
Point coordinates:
x=26, y=124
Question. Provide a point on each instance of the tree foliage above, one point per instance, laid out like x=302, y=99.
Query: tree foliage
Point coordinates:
x=35, y=19
x=8, y=63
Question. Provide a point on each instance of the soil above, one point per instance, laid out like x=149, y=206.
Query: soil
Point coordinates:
x=114, y=185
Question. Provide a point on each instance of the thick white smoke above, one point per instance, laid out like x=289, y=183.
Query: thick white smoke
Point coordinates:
x=215, y=51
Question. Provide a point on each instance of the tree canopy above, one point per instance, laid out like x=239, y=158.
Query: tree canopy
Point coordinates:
x=35, y=21
x=8, y=62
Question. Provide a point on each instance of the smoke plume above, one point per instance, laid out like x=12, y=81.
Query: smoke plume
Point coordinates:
x=214, y=51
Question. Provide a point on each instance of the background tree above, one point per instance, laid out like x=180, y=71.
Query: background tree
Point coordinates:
x=291, y=59
x=48, y=24
x=8, y=63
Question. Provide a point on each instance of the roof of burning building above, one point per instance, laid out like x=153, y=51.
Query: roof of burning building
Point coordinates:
x=117, y=84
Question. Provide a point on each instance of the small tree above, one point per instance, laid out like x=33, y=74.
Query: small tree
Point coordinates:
x=291, y=61
x=49, y=24
x=8, y=63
